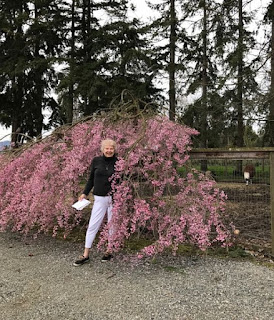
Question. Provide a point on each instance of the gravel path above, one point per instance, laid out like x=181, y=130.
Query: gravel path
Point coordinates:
x=38, y=281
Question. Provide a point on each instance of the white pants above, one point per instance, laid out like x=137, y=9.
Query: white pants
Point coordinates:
x=101, y=206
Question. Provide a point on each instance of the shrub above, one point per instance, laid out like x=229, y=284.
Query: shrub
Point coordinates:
x=39, y=184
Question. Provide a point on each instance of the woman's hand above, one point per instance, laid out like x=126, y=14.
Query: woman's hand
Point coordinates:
x=82, y=196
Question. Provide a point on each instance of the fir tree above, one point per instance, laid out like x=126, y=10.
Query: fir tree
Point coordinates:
x=109, y=56
x=235, y=43
x=30, y=40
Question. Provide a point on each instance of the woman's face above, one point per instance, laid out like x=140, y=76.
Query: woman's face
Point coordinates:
x=108, y=150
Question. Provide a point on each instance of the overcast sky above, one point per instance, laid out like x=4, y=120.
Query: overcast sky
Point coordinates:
x=4, y=132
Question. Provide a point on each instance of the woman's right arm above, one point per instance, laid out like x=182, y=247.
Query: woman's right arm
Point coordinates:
x=90, y=182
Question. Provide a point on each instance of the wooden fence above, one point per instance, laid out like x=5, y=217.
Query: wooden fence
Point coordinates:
x=243, y=154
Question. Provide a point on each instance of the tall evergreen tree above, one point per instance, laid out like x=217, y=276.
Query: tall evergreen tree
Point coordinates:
x=235, y=43
x=30, y=39
x=202, y=73
x=269, y=104
x=109, y=56
x=168, y=35
x=172, y=61
x=13, y=58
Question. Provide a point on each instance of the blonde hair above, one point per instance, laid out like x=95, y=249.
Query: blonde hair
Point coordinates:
x=106, y=142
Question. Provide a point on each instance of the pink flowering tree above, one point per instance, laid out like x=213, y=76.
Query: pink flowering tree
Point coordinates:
x=39, y=184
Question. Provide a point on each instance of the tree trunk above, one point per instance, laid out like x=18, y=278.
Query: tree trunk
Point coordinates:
x=86, y=26
x=172, y=46
x=204, y=87
x=17, y=95
x=15, y=129
x=240, y=140
x=38, y=87
x=69, y=104
x=240, y=133
x=271, y=102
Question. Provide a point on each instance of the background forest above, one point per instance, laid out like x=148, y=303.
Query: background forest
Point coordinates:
x=208, y=64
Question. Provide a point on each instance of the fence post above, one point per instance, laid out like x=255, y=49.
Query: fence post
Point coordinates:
x=271, y=165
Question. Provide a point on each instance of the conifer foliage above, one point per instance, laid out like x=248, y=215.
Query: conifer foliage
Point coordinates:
x=39, y=184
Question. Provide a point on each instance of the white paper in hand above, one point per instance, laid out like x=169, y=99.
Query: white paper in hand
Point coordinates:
x=80, y=205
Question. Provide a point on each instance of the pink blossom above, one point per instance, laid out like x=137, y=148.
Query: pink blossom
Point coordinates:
x=38, y=187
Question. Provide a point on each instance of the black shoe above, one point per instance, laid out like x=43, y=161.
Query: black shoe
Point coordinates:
x=81, y=261
x=107, y=257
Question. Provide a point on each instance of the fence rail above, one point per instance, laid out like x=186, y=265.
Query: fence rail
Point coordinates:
x=243, y=154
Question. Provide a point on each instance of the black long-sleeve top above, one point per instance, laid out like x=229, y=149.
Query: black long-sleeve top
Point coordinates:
x=102, y=168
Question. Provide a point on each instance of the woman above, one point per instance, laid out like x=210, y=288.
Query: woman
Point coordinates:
x=102, y=168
